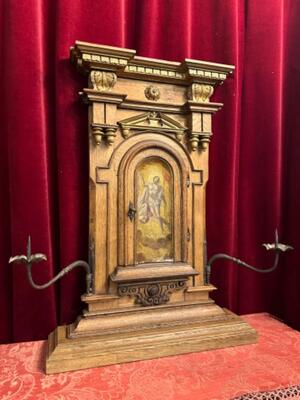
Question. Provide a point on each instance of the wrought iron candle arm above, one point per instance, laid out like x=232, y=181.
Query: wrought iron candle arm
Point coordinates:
x=276, y=247
x=38, y=257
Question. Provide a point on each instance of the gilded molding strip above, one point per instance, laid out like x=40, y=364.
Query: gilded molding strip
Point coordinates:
x=154, y=71
x=90, y=56
x=207, y=74
x=104, y=59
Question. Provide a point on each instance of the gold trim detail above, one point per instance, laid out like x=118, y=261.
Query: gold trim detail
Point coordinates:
x=90, y=56
x=102, y=81
x=140, y=69
x=200, y=93
x=104, y=59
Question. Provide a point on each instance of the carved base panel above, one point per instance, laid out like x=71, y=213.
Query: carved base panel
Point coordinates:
x=67, y=354
x=151, y=293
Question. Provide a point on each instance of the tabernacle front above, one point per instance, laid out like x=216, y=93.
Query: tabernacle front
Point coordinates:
x=149, y=128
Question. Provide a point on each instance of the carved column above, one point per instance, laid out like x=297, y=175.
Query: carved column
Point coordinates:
x=199, y=93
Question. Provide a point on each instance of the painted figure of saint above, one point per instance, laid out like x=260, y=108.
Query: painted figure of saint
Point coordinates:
x=149, y=202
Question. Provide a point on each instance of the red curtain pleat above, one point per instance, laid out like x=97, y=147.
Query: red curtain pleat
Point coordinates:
x=261, y=155
x=27, y=85
x=286, y=301
x=254, y=153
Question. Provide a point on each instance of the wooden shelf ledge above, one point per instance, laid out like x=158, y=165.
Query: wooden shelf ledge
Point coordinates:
x=152, y=271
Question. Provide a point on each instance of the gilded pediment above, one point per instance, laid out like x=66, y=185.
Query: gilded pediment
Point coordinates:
x=152, y=121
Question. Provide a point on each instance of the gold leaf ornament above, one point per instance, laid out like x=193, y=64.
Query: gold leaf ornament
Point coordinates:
x=103, y=81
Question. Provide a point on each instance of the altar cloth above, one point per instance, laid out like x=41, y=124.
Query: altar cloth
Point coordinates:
x=271, y=366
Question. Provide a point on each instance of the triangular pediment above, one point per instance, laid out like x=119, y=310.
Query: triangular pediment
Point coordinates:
x=151, y=121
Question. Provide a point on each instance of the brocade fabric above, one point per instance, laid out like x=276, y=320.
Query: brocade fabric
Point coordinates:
x=240, y=373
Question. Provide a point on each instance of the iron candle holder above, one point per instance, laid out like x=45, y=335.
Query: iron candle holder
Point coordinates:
x=275, y=247
x=29, y=259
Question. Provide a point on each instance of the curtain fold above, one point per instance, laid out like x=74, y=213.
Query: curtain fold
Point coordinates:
x=286, y=304
x=261, y=154
x=254, y=153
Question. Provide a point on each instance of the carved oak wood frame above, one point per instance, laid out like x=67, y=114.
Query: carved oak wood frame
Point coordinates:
x=141, y=108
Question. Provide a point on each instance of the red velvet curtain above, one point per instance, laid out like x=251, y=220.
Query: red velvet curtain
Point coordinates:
x=254, y=171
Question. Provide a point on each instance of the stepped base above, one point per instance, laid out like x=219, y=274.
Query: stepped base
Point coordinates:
x=224, y=329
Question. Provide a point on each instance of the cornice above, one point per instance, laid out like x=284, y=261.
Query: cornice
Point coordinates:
x=124, y=62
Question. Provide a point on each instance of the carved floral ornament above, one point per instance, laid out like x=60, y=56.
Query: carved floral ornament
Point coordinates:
x=152, y=93
x=152, y=293
x=200, y=92
x=102, y=81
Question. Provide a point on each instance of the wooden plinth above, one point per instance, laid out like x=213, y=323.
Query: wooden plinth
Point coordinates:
x=202, y=326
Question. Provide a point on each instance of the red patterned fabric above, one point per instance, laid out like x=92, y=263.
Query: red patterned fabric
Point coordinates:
x=271, y=364
x=255, y=152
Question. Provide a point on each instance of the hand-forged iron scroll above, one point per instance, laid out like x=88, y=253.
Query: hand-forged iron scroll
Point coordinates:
x=38, y=257
x=276, y=247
